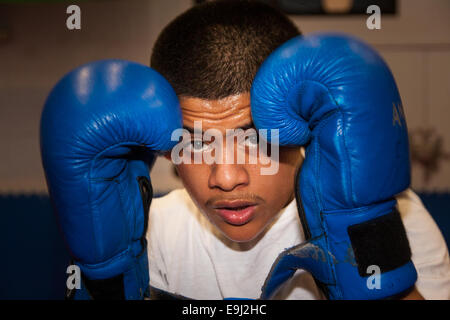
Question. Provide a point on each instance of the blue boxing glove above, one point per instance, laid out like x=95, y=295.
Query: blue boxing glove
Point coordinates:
x=335, y=95
x=101, y=129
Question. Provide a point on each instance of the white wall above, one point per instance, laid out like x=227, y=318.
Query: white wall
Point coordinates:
x=416, y=44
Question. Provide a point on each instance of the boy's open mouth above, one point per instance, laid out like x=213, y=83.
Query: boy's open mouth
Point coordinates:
x=235, y=212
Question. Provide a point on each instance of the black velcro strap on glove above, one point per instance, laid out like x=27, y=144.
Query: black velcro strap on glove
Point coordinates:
x=381, y=242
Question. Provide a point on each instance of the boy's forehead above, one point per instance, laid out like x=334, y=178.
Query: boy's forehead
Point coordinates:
x=226, y=113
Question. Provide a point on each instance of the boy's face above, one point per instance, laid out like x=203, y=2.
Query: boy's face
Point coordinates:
x=235, y=197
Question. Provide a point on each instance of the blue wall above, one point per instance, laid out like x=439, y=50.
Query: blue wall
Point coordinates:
x=34, y=258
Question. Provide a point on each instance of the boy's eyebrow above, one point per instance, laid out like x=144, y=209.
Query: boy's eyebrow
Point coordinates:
x=243, y=127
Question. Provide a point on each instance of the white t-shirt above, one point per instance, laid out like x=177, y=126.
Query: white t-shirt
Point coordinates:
x=190, y=257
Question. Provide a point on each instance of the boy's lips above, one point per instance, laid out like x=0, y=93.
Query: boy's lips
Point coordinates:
x=235, y=212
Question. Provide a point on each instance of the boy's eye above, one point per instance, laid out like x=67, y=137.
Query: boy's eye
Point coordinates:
x=197, y=146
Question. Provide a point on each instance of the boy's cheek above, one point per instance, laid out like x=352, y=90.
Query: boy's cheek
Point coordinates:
x=195, y=179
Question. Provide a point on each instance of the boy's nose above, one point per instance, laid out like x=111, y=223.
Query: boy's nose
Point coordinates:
x=228, y=177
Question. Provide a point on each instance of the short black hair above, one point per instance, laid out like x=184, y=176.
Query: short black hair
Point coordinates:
x=214, y=49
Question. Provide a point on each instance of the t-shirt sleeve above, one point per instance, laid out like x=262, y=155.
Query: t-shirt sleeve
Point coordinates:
x=429, y=250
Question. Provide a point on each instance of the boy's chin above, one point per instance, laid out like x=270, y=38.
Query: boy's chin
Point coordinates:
x=242, y=234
